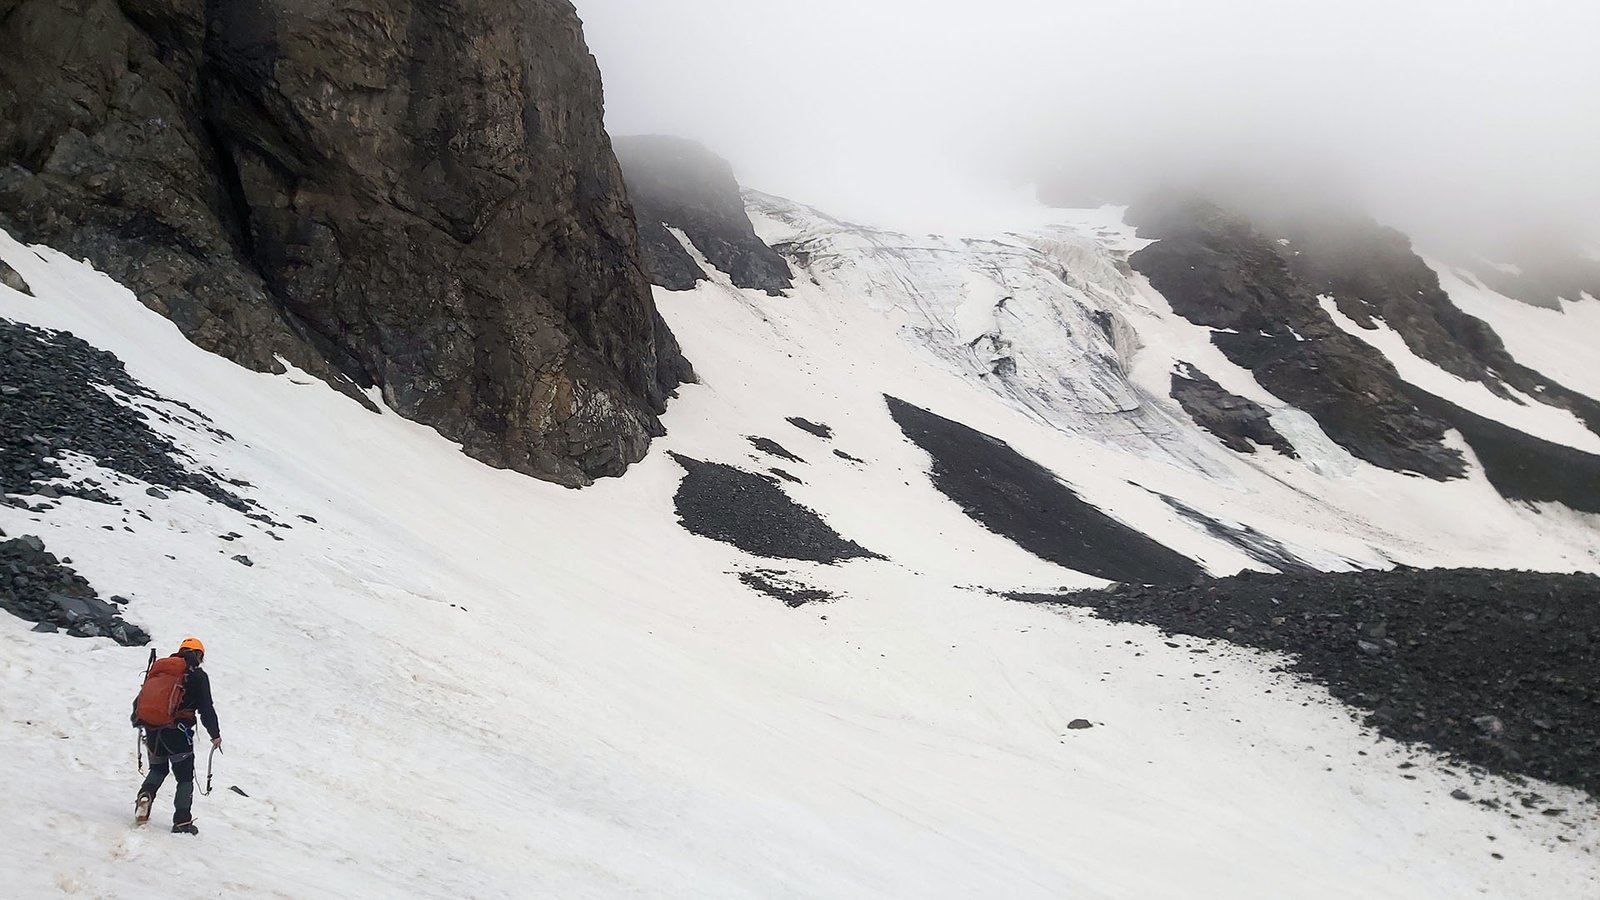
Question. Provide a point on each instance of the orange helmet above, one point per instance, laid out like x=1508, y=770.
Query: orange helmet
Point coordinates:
x=192, y=643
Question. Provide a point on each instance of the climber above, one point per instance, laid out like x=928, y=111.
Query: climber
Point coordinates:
x=174, y=690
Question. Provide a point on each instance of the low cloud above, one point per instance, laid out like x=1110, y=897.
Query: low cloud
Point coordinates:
x=1463, y=121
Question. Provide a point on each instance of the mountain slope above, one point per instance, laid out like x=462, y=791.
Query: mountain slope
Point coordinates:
x=460, y=681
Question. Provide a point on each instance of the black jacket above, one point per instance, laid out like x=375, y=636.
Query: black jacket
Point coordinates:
x=197, y=699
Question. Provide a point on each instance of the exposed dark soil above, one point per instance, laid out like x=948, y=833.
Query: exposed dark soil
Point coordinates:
x=54, y=398
x=773, y=448
x=1499, y=669
x=37, y=587
x=816, y=428
x=783, y=587
x=751, y=512
x=1016, y=497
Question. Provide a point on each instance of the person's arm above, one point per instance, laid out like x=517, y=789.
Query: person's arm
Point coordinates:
x=200, y=696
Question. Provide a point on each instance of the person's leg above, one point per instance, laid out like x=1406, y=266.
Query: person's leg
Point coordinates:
x=158, y=765
x=181, y=745
x=183, y=770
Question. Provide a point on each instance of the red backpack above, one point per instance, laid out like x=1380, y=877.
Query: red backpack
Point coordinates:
x=162, y=694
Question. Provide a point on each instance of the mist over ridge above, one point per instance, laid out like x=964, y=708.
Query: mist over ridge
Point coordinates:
x=1468, y=125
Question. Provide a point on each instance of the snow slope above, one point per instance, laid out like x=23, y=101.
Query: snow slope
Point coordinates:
x=460, y=682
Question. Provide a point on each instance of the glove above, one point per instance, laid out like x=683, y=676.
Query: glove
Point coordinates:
x=216, y=743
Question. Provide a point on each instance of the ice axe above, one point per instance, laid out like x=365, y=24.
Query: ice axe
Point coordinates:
x=209, y=757
x=138, y=731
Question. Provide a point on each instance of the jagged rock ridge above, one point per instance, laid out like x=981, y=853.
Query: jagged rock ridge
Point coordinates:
x=416, y=197
x=679, y=184
x=1219, y=271
x=1372, y=272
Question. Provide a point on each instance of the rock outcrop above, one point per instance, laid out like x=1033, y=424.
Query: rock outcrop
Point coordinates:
x=417, y=197
x=1373, y=273
x=1219, y=271
x=36, y=586
x=1240, y=423
x=679, y=184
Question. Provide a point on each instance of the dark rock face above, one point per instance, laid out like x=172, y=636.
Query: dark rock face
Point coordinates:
x=37, y=587
x=419, y=197
x=1520, y=466
x=1372, y=272
x=1217, y=270
x=752, y=512
x=1238, y=422
x=1498, y=668
x=1016, y=497
x=52, y=402
x=678, y=183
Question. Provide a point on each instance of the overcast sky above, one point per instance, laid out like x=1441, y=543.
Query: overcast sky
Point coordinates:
x=914, y=111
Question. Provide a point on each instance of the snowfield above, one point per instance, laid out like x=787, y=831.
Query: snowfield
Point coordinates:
x=462, y=682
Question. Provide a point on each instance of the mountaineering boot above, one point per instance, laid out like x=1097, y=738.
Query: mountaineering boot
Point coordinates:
x=185, y=828
x=141, y=808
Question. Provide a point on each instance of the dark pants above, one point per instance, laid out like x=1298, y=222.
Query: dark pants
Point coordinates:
x=173, y=748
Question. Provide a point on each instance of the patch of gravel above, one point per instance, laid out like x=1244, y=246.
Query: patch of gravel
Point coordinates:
x=1499, y=669
x=59, y=394
x=1023, y=501
x=37, y=587
x=751, y=512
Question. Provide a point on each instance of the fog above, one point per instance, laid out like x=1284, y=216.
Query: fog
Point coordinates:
x=1454, y=119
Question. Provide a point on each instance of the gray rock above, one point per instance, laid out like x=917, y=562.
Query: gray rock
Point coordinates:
x=44, y=628
x=156, y=492
x=243, y=560
x=76, y=608
x=1459, y=794
x=1079, y=724
x=10, y=278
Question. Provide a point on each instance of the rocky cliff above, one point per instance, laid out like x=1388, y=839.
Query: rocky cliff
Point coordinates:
x=679, y=184
x=417, y=197
x=1372, y=272
x=1217, y=270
